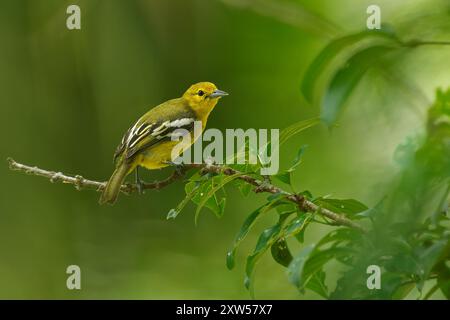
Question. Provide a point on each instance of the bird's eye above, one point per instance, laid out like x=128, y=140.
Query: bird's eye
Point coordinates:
x=200, y=93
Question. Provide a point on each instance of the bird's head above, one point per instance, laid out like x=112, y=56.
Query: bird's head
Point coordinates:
x=203, y=95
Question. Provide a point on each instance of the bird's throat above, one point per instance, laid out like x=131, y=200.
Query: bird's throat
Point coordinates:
x=204, y=109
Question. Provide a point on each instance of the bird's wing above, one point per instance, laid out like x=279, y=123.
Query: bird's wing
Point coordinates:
x=153, y=128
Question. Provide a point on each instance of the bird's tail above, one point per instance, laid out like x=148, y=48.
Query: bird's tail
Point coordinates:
x=112, y=189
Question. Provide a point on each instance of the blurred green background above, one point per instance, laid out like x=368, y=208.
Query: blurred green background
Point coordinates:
x=67, y=96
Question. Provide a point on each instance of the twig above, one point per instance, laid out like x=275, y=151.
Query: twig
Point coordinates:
x=301, y=201
x=261, y=186
x=82, y=183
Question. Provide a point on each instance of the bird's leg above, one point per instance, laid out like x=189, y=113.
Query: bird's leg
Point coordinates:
x=179, y=167
x=267, y=179
x=139, y=182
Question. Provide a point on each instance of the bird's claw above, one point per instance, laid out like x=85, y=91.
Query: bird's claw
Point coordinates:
x=139, y=183
x=264, y=184
x=179, y=167
x=140, y=187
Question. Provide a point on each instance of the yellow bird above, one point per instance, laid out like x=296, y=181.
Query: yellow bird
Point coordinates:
x=148, y=143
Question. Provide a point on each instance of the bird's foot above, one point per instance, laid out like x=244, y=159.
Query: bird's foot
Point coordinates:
x=179, y=167
x=139, y=183
x=140, y=186
x=266, y=183
x=267, y=180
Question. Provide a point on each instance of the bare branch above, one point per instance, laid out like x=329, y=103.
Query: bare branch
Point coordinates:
x=302, y=202
x=82, y=183
x=261, y=186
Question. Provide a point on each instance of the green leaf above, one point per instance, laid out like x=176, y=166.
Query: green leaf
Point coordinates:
x=335, y=72
x=295, y=269
x=297, y=225
x=265, y=241
x=276, y=196
x=285, y=176
x=317, y=284
x=280, y=252
x=374, y=211
x=345, y=81
x=318, y=258
x=206, y=195
x=338, y=52
x=300, y=236
x=298, y=158
x=248, y=224
x=346, y=206
x=307, y=194
x=202, y=187
x=402, y=290
x=286, y=207
x=442, y=269
x=339, y=236
x=444, y=285
x=173, y=213
x=402, y=263
x=244, y=187
x=428, y=258
x=285, y=135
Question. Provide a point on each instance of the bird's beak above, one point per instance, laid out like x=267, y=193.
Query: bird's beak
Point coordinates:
x=218, y=93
